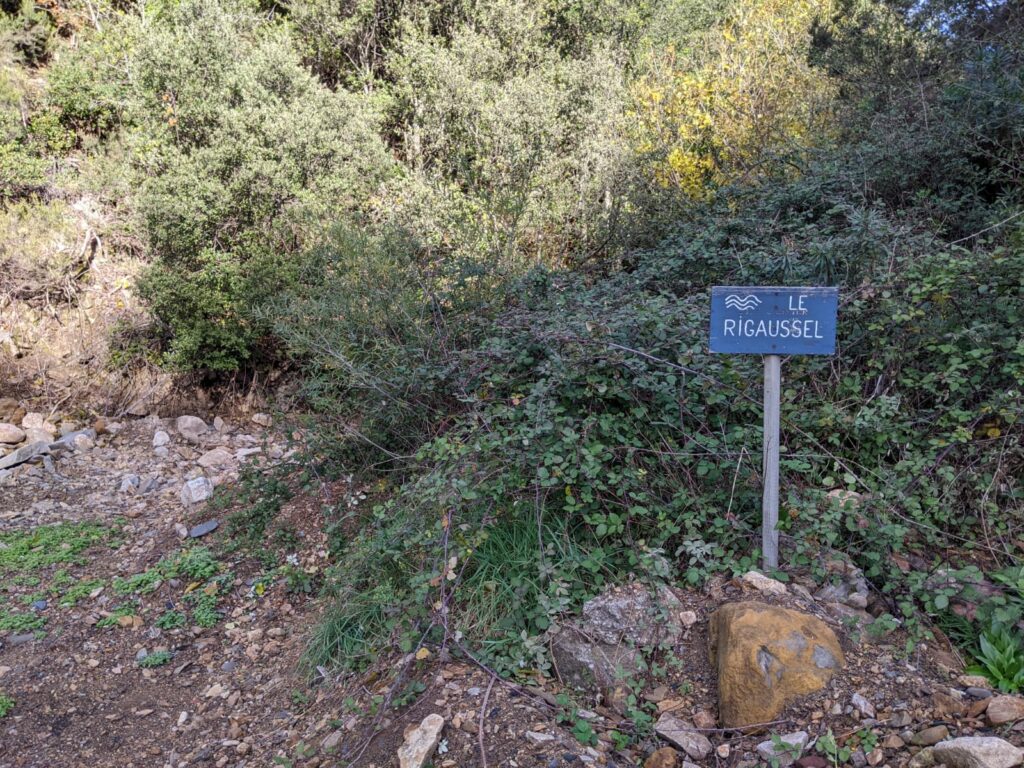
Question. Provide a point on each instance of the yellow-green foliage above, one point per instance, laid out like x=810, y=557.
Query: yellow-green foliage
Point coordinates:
x=39, y=242
x=714, y=113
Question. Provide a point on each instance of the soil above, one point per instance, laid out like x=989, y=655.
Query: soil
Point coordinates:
x=238, y=694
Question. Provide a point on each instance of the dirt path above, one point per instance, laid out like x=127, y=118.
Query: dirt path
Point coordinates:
x=135, y=632
x=124, y=643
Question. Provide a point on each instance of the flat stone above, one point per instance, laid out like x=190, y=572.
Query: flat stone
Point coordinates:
x=331, y=742
x=11, y=434
x=262, y=419
x=930, y=736
x=862, y=705
x=764, y=584
x=203, y=528
x=218, y=457
x=539, y=738
x=421, y=742
x=1000, y=710
x=978, y=752
x=683, y=735
x=196, y=490
x=787, y=752
x=20, y=639
x=25, y=453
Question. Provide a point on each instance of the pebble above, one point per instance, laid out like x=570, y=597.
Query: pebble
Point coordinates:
x=930, y=736
x=196, y=490
x=203, y=528
x=160, y=438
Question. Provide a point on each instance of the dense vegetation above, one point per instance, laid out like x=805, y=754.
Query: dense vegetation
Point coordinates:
x=482, y=237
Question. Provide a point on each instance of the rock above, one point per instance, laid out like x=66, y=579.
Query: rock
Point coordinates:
x=421, y=742
x=930, y=736
x=196, y=490
x=1001, y=709
x=683, y=735
x=129, y=483
x=10, y=411
x=975, y=681
x=38, y=421
x=666, y=757
x=704, y=719
x=20, y=639
x=191, y=427
x=875, y=757
x=893, y=741
x=862, y=705
x=82, y=442
x=978, y=693
x=181, y=531
x=218, y=457
x=331, y=742
x=539, y=738
x=785, y=753
x=262, y=419
x=11, y=434
x=766, y=657
x=25, y=453
x=203, y=528
x=978, y=752
x=598, y=651
x=763, y=583
x=160, y=438
x=33, y=435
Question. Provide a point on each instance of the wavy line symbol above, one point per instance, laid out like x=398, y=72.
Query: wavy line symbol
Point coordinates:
x=742, y=303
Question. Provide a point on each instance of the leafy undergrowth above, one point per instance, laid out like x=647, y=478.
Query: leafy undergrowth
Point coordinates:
x=27, y=560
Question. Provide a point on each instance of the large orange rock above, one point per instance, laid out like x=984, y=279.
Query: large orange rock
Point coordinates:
x=766, y=657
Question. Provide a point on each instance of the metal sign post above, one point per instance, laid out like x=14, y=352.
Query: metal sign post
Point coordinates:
x=773, y=321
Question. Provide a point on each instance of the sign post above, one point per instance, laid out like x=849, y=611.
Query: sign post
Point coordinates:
x=773, y=321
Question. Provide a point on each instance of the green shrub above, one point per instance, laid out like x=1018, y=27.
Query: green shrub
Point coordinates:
x=249, y=153
x=6, y=704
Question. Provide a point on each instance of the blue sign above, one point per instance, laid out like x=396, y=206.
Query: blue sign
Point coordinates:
x=763, y=320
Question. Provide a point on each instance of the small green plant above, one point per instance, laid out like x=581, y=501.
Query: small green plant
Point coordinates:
x=408, y=694
x=204, y=609
x=157, y=659
x=583, y=732
x=6, y=704
x=299, y=698
x=829, y=747
x=1000, y=657
x=170, y=620
x=197, y=564
x=20, y=622
x=782, y=749
x=78, y=592
x=296, y=580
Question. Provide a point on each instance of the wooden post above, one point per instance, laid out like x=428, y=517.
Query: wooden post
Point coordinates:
x=770, y=500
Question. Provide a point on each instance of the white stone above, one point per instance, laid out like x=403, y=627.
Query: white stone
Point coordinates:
x=191, y=427
x=262, y=419
x=978, y=752
x=218, y=457
x=11, y=434
x=160, y=438
x=763, y=583
x=862, y=705
x=539, y=738
x=683, y=735
x=34, y=435
x=83, y=442
x=421, y=742
x=218, y=424
x=786, y=753
x=196, y=490
x=38, y=421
